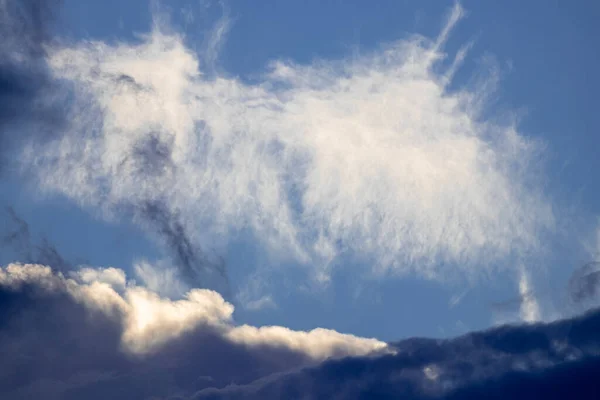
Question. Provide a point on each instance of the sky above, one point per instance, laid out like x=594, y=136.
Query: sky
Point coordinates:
x=318, y=179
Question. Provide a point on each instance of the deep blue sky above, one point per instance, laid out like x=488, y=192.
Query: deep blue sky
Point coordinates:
x=549, y=59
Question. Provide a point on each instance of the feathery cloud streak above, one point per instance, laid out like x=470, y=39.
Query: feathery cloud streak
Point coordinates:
x=375, y=155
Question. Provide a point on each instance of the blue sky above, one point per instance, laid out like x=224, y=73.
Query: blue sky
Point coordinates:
x=545, y=54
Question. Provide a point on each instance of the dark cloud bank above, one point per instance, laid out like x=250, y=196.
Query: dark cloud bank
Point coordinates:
x=54, y=348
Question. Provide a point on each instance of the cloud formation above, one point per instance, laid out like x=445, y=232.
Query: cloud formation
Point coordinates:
x=584, y=283
x=95, y=336
x=373, y=156
x=530, y=308
x=149, y=321
x=382, y=157
x=554, y=361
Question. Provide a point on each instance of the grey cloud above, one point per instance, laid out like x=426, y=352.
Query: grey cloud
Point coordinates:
x=545, y=361
x=27, y=93
x=55, y=347
x=584, y=284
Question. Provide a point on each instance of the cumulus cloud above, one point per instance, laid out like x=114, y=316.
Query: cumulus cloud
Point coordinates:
x=374, y=156
x=62, y=339
x=149, y=321
x=96, y=335
x=160, y=277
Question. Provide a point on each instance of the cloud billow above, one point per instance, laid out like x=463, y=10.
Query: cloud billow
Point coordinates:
x=97, y=335
x=63, y=337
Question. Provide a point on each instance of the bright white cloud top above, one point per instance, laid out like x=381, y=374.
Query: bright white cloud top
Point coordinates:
x=374, y=155
x=150, y=321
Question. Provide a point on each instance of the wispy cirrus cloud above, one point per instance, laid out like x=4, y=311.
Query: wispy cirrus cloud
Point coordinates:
x=373, y=156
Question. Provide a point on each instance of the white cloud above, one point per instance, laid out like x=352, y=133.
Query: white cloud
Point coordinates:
x=161, y=278
x=149, y=321
x=530, y=309
x=318, y=343
x=153, y=321
x=260, y=303
x=373, y=155
x=111, y=276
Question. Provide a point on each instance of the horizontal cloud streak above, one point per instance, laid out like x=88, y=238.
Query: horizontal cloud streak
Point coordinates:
x=375, y=156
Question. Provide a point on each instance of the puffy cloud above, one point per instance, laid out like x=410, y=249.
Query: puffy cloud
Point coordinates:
x=318, y=344
x=62, y=339
x=374, y=155
x=149, y=321
x=15, y=276
x=161, y=277
x=72, y=338
x=111, y=276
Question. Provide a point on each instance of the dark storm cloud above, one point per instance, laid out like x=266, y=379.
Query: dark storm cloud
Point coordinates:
x=544, y=361
x=54, y=348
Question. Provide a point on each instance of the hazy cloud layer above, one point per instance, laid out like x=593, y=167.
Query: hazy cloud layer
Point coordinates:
x=373, y=156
